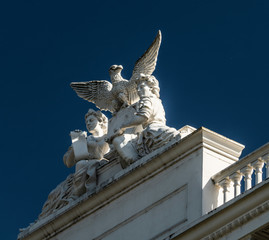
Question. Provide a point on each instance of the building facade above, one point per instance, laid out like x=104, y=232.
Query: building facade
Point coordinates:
x=188, y=189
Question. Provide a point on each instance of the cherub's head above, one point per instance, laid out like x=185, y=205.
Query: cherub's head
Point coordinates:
x=147, y=85
x=96, y=121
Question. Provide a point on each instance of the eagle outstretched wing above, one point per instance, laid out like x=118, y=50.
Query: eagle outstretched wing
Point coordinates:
x=147, y=62
x=97, y=92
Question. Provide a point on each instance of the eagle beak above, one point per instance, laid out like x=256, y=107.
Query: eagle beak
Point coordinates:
x=120, y=66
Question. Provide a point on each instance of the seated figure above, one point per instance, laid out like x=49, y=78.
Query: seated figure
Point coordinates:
x=84, y=178
x=85, y=175
x=151, y=115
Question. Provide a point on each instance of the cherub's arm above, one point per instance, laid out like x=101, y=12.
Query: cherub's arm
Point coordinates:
x=133, y=122
x=141, y=117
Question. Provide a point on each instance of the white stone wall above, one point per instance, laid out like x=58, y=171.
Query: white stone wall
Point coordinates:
x=155, y=197
x=165, y=200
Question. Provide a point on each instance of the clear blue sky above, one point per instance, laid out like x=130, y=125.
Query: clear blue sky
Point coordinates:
x=213, y=70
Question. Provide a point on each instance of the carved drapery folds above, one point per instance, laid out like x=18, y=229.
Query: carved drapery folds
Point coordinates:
x=76, y=184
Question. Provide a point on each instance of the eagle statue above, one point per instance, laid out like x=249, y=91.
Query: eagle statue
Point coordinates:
x=120, y=92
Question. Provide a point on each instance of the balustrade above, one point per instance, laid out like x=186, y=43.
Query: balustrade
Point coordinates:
x=242, y=171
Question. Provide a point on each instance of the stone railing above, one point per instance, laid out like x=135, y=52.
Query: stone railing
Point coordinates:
x=242, y=173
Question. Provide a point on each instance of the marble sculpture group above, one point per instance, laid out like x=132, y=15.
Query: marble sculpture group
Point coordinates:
x=137, y=127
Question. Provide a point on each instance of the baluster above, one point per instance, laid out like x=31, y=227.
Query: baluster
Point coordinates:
x=266, y=159
x=225, y=184
x=236, y=178
x=258, y=165
x=247, y=171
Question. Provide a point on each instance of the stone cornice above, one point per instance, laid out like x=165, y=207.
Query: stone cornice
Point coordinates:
x=228, y=146
x=257, y=211
x=229, y=216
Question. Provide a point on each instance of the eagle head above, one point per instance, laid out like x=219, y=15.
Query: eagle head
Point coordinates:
x=115, y=73
x=115, y=69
